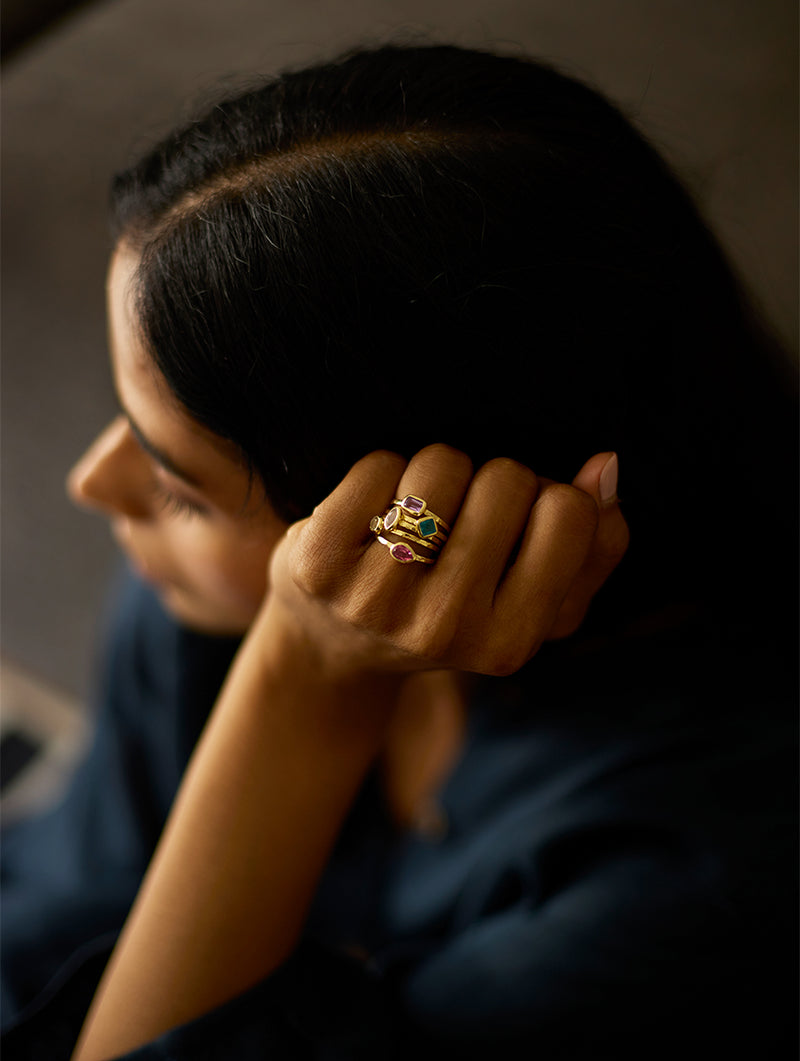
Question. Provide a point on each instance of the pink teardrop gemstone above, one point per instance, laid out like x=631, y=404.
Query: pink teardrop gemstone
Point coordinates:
x=402, y=553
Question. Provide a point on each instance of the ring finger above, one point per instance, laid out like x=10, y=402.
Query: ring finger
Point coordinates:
x=434, y=482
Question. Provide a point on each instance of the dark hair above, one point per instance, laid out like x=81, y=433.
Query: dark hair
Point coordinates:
x=424, y=244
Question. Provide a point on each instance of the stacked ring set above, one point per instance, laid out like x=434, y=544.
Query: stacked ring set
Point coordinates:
x=411, y=526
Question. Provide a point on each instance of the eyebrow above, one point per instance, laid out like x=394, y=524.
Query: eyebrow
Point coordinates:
x=158, y=455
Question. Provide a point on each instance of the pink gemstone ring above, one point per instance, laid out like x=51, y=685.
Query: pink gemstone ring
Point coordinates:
x=410, y=523
x=403, y=553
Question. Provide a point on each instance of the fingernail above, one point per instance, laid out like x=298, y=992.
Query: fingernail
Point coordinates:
x=608, y=480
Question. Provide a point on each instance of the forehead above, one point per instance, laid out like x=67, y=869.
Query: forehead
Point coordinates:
x=141, y=387
x=156, y=415
x=126, y=341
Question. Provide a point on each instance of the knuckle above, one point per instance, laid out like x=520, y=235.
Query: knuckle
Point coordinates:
x=305, y=570
x=509, y=470
x=385, y=462
x=569, y=503
x=315, y=568
x=439, y=456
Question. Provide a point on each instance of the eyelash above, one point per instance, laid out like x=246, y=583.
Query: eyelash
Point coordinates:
x=175, y=505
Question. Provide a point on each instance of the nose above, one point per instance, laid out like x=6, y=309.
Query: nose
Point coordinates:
x=113, y=476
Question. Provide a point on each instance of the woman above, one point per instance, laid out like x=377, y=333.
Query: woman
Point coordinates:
x=528, y=794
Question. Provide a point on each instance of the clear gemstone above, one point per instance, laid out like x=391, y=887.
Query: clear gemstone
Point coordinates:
x=402, y=553
x=376, y=524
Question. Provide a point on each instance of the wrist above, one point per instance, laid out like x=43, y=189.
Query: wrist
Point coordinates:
x=339, y=655
x=339, y=694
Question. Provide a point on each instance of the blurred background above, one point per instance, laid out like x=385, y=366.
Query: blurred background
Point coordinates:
x=87, y=85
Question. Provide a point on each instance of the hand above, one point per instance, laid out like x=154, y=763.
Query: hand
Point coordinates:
x=293, y=733
x=522, y=563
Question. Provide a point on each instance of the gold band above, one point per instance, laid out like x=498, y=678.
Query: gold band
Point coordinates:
x=409, y=524
x=417, y=508
x=427, y=543
x=409, y=529
x=412, y=520
x=403, y=553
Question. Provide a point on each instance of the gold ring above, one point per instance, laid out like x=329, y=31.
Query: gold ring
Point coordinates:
x=425, y=528
x=393, y=520
x=411, y=520
x=403, y=553
x=417, y=508
x=427, y=543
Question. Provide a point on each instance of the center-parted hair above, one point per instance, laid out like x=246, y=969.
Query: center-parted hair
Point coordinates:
x=431, y=244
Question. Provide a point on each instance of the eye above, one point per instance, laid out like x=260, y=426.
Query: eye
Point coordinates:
x=175, y=505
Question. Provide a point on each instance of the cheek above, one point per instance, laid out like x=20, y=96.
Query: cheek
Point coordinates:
x=226, y=568
x=242, y=574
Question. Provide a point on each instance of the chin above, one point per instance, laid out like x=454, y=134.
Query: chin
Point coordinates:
x=203, y=615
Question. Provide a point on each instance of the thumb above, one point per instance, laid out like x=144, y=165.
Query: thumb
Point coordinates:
x=598, y=478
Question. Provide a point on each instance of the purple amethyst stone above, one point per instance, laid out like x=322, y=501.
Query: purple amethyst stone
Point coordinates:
x=413, y=504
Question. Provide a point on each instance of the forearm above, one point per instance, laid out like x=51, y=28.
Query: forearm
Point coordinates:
x=264, y=797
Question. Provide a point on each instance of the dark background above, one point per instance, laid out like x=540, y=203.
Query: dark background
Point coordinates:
x=713, y=82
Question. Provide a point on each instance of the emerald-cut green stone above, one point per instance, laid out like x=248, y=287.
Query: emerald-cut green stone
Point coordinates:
x=427, y=527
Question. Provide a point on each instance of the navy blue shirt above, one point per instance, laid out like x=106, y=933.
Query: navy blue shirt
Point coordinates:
x=611, y=871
